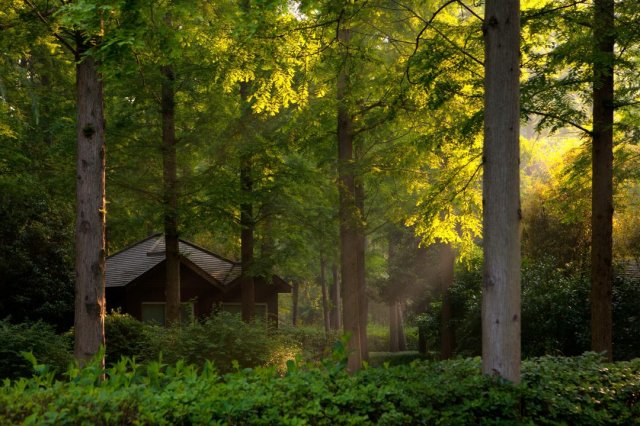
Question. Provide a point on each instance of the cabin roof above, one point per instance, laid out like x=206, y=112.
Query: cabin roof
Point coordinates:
x=133, y=261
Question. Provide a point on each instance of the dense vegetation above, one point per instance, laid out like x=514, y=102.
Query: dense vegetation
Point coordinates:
x=555, y=312
x=580, y=390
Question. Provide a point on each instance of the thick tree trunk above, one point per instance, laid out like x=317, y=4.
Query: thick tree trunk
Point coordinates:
x=501, y=196
x=325, y=296
x=349, y=220
x=602, y=178
x=170, y=197
x=448, y=338
x=90, y=210
x=335, y=299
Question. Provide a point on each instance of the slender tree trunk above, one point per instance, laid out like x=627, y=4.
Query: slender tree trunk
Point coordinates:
x=247, y=241
x=394, y=265
x=247, y=223
x=394, y=336
x=402, y=338
x=362, y=246
x=90, y=209
x=602, y=179
x=295, y=295
x=170, y=197
x=448, y=338
x=422, y=333
x=501, y=191
x=349, y=243
x=325, y=296
x=335, y=299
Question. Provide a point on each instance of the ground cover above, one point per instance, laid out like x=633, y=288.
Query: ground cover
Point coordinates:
x=554, y=390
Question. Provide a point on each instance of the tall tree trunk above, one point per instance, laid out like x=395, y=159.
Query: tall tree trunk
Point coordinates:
x=170, y=197
x=247, y=241
x=362, y=246
x=397, y=339
x=325, y=296
x=295, y=296
x=402, y=338
x=349, y=243
x=602, y=178
x=394, y=265
x=247, y=223
x=394, y=336
x=501, y=191
x=335, y=299
x=90, y=209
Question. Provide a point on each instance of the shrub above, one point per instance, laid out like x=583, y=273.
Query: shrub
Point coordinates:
x=553, y=391
x=125, y=337
x=38, y=338
x=223, y=339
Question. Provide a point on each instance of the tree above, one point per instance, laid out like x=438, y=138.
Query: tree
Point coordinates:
x=501, y=196
x=602, y=178
x=85, y=24
x=91, y=206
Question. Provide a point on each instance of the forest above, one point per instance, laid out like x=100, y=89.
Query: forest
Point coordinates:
x=428, y=212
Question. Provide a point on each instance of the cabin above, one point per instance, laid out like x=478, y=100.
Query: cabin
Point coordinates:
x=135, y=282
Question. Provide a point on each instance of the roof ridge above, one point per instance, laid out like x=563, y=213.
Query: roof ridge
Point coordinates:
x=232, y=262
x=154, y=235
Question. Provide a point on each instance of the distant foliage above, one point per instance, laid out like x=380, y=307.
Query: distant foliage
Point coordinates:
x=36, y=256
x=555, y=312
x=38, y=338
x=553, y=391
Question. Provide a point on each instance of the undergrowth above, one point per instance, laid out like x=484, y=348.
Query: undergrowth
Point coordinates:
x=580, y=390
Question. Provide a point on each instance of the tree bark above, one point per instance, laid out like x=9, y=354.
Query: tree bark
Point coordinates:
x=501, y=196
x=335, y=299
x=349, y=243
x=170, y=197
x=602, y=179
x=90, y=209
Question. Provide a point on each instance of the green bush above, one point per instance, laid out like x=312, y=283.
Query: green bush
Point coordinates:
x=125, y=337
x=38, y=338
x=553, y=391
x=555, y=312
x=223, y=339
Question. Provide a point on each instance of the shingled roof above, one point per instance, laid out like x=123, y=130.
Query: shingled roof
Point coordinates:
x=133, y=261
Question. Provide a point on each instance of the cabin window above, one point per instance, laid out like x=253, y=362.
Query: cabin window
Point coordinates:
x=155, y=312
x=236, y=309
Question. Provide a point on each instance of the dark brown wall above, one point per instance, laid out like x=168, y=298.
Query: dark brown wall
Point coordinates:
x=149, y=287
